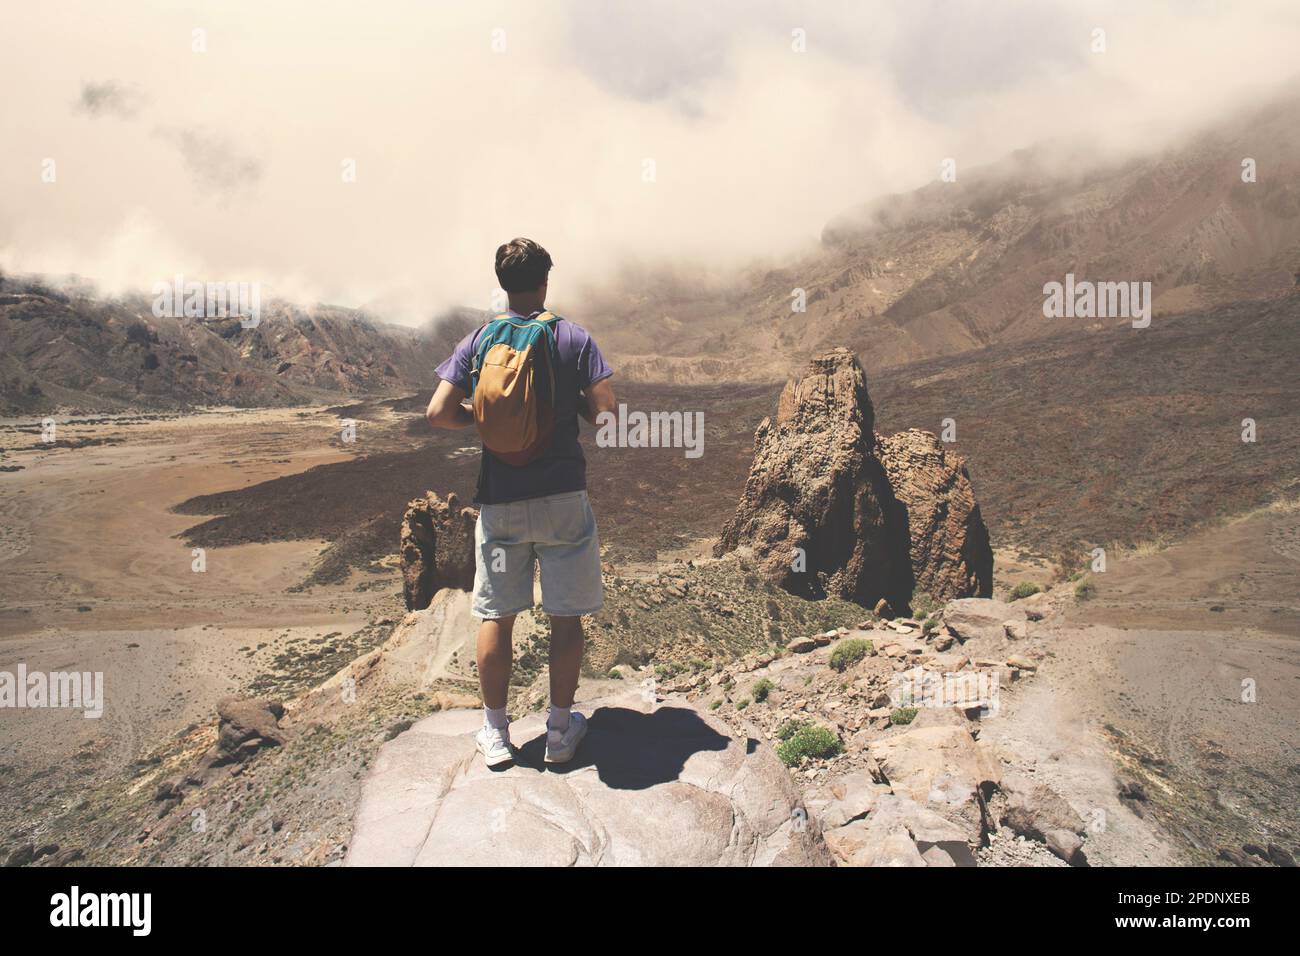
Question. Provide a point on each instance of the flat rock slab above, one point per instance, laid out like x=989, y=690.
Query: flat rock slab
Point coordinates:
x=652, y=784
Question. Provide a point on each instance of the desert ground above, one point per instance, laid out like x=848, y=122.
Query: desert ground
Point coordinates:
x=1143, y=683
x=95, y=579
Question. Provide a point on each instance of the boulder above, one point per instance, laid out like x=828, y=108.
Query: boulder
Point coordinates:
x=651, y=785
x=980, y=618
x=1037, y=812
x=244, y=727
x=844, y=799
x=437, y=548
x=830, y=508
x=900, y=832
x=944, y=768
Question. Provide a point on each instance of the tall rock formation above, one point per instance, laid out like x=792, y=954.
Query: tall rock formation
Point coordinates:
x=831, y=508
x=437, y=548
x=949, y=545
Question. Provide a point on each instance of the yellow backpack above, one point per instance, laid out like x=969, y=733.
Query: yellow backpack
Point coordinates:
x=512, y=384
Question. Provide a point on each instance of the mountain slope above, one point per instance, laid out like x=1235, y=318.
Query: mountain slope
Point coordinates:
x=962, y=265
x=66, y=348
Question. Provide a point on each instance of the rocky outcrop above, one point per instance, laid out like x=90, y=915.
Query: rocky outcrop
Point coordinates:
x=831, y=508
x=815, y=506
x=944, y=767
x=983, y=619
x=437, y=548
x=900, y=832
x=653, y=784
x=949, y=545
x=245, y=727
x=1038, y=812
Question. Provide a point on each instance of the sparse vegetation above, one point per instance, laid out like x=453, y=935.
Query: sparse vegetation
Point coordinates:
x=1024, y=589
x=742, y=703
x=791, y=727
x=762, y=689
x=813, y=742
x=848, y=652
x=1084, y=589
x=903, y=715
x=922, y=604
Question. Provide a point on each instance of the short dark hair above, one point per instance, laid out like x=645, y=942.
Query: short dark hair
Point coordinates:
x=522, y=265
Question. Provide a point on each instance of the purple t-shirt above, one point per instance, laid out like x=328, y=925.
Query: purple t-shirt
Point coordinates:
x=562, y=467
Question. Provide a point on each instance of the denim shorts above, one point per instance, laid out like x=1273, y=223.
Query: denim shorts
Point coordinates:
x=558, y=533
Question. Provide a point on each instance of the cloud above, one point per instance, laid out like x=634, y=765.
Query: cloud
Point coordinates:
x=109, y=98
x=459, y=142
x=215, y=162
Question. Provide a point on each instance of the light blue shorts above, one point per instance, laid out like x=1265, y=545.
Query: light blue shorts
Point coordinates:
x=559, y=533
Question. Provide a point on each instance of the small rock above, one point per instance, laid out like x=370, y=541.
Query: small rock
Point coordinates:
x=1016, y=630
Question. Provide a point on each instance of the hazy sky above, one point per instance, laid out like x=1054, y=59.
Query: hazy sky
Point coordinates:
x=470, y=122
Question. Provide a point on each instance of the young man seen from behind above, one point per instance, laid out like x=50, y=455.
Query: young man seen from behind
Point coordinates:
x=535, y=512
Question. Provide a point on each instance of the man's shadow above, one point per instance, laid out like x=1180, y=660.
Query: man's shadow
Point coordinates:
x=632, y=750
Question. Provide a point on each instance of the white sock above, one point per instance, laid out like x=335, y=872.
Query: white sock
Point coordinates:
x=495, y=717
x=559, y=719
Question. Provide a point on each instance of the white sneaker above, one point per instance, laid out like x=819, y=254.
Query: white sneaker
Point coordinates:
x=561, y=746
x=495, y=746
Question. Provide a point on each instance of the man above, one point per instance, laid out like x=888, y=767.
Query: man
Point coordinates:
x=537, y=512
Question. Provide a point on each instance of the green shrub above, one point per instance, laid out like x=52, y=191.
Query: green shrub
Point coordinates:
x=742, y=703
x=809, y=741
x=791, y=727
x=1023, y=590
x=615, y=674
x=922, y=604
x=848, y=652
x=716, y=704
x=761, y=690
x=903, y=715
x=1084, y=590
x=929, y=626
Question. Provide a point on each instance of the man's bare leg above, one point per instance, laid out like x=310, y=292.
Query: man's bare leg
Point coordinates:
x=566, y=659
x=494, y=660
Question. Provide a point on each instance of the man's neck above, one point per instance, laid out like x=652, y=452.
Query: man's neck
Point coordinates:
x=526, y=307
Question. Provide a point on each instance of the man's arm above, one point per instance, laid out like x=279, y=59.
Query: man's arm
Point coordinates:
x=599, y=397
x=445, y=408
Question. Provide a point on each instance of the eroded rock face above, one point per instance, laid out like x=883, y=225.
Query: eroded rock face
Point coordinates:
x=948, y=542
x=654, y=786
x=437, y=548
x=830, y=507
x=815, y=505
